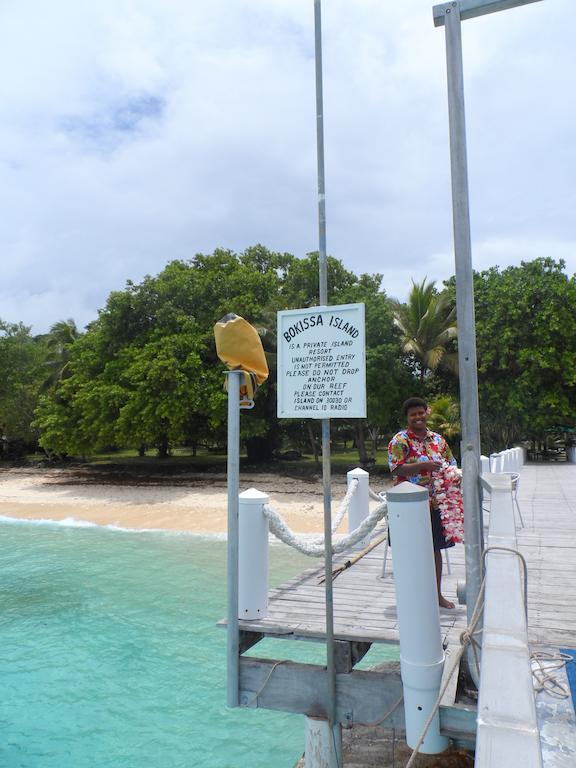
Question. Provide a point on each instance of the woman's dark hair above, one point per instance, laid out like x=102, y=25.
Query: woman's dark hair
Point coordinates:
x=413, y=402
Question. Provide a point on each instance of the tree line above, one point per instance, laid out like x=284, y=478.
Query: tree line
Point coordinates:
x=145, y=373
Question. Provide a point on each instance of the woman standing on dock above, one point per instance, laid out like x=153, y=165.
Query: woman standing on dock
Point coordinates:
x=414, y=454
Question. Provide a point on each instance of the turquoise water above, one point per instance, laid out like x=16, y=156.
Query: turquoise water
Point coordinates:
x=109, y=656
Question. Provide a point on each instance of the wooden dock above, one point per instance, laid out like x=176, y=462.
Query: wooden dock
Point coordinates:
x=365, y=602
x=365, y=613
x=547, y=498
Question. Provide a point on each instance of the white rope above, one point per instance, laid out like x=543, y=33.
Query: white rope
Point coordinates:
x=543, y=664
x=343, y=508
x=315, y=547
x=376, y=496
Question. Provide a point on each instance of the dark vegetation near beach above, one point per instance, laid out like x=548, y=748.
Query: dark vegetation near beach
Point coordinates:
x=143, y=379
x=204, y=469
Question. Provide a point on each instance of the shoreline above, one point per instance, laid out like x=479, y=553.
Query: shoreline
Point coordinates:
x=198, y=506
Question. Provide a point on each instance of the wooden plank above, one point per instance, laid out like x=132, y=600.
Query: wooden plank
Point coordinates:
x=451, y=668
x=363, y=697
x=459, y=722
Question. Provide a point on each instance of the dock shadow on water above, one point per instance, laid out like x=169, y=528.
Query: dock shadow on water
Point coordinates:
x=110, y=654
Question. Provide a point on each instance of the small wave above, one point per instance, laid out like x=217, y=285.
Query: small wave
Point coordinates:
x=72, y=522
x=67, y=522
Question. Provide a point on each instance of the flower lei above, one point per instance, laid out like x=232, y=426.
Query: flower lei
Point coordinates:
x=448, y=495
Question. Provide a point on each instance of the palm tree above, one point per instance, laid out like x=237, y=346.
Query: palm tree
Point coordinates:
x=428, y=325
x=59, y=342
x=445, y=417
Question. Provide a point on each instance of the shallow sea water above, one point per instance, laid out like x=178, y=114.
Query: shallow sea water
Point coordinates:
x=110, y=658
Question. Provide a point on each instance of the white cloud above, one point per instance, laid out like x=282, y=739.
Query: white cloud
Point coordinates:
x=132, y=133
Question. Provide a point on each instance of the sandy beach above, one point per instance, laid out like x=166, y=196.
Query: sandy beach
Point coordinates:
x=191, y=502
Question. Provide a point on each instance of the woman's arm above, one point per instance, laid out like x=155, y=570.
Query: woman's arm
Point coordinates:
x=416, y=468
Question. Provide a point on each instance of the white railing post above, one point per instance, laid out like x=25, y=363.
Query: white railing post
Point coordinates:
x=252, y=555
x=421, y=653
x=485, y=464
x=496, y=463
x=358, y=510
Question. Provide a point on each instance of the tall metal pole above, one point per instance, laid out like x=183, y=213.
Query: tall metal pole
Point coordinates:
x=233, y=452
x=323, y=285
x=465, y=310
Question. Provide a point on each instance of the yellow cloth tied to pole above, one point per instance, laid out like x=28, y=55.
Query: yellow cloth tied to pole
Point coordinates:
x=239, y=346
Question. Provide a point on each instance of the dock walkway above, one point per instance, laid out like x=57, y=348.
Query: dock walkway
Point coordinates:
x=365, y=602
x=365, y=613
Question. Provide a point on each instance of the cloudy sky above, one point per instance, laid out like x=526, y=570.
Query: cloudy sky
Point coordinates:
x=133, y=132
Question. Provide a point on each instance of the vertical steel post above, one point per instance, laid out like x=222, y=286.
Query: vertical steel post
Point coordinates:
x=233, y=452
x=465, y=309
x=323, y=291
x=322, y=261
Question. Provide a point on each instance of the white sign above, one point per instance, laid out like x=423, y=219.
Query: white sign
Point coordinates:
x=322, y=363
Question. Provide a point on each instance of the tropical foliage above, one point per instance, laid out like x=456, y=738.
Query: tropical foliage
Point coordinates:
x=145, y=373
x=427, y=323
x=526, y=345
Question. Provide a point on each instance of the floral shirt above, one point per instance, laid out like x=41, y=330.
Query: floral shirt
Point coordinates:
x=407, y=448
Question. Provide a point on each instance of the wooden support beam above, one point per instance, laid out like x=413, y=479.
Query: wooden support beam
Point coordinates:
x=348, y=654
x=362, y=696
x=458, y=722
x=451, y=672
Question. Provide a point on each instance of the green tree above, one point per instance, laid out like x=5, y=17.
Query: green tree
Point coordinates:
x=526, y=347
x=445, y=419
x=427, y=323
x=388, y=378
x=21, y=357
x=526, y=343
x=59, y=341
x=146, y=371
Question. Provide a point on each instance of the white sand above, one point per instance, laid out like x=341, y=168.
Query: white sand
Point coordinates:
x=198, y=505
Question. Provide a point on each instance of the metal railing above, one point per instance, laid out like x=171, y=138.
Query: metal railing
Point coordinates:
x=507, y=725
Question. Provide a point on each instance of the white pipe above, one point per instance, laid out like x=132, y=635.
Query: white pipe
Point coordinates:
x=319, y=748
x=252, y=555
x=421, y=653
x=358, y=510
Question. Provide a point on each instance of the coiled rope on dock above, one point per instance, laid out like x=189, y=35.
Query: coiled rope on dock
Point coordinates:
x=543, y=664
x=314, y=546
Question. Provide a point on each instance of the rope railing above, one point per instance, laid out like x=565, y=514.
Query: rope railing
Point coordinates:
x=375, y=496
x=314, y=546
x=342, y=510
